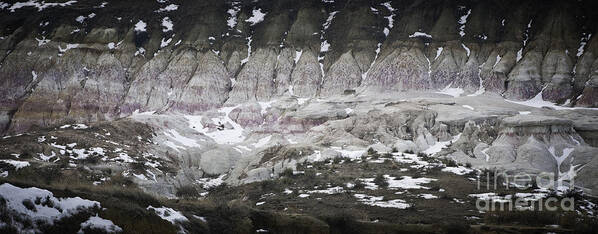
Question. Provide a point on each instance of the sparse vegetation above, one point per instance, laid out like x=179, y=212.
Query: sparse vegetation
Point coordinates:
x=372, y=151
x=187, y=191
x=234, y=209
x=287, y=173
x=381, y=181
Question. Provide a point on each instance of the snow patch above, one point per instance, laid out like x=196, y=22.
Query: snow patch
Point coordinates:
x=440, y=145
x=462, y=22
x=538, y=102
x=224, y=136
x=167, y=24
x=378, y=201
x=245, y=60
x=140, y=26
x=298, y=56
x=173, y=134
x=232, y=19
x=407, y=182
x=169, y=214
x=455, y=92
x=438, y=52
x=40, y=6
x=420, y=34
x=16, y=164
x=466, y=49
x=41, y=212
x=95, y=222
x=582, y=44
x=171, y=7
x=256, y=17
x=460, y=170
x=390, y=18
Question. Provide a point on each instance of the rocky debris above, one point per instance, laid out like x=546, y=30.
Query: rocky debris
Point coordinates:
x=257, y=141
x=274, y=78
x=524, y=142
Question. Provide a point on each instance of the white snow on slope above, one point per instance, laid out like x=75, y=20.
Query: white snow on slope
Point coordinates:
x=407, y=182
x=539, y=102
x=378, y=201
x=459, y=170
x=582, y=44
x=181, y=139
x=298, y=56
x=420, y=34
x=427, y=196
x=225, y=136
x=74, y=126
x=440, y=145
x=140, y=26
x=481, y=90
x=438, y=52
x=328, y=21
x=207, y=183
x=463, y=22
x=167, y=24
x=466, y=49
x=324, y=45
x=386, y=31
x=43, y=41
x=80, y=19
x=256, y=17
x=245, y=60
x=332, y=190
x=165, y=43
x=492, y=197
x=2, y=6
x=15, y=198
x=233, y=11
x=455, y=92
x=95, y=222
x=411, y=159
x=102, y=5
x=17, y=164
x=169, y=214
x=171, y=7
x=352, y=154
x=39, y=5
x=390, y=17
x=68, y=47
x=498, y=58
x=525, y=39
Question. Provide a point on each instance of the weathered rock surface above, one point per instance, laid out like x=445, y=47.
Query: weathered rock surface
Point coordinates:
x=307, y=49
x=246, y=81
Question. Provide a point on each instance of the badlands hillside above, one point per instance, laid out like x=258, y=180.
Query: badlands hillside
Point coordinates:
x=289, y=116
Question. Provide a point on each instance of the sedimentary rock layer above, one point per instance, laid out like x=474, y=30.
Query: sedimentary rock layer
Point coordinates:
x=88, y=61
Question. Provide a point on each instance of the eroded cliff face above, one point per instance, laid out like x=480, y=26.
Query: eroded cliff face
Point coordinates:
x=85, y=61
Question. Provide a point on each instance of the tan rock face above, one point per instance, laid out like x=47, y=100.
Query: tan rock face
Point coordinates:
x=306, y=77
x=344, y=74
x=105, y=67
